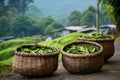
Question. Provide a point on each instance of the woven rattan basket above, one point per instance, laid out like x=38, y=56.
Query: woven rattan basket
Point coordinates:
x=35, y=65
x=82, y=63
x=107, y=44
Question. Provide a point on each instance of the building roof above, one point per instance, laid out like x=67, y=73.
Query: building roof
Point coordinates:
x=74, y=28
x=87, y=29
x=109, y=25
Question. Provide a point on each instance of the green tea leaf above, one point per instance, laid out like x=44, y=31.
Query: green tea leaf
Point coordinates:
x=82, y=49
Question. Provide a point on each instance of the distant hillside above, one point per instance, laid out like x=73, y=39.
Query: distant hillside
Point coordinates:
x=54, y=7
x=60, y=9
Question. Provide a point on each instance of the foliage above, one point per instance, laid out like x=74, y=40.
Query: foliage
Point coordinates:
x=34, y=12
x=37, y=49
x=74, y=18
x=11, y=7
x=7, y=61
x=47, y=21
x=104, y=17
x=6, y=53
x=113, y=8
x=82, y=48
x=7, y=48
x=95, y=35
x=5, y=68
x=1, y=7
x=16, y=42
x=23, y=26
x=59, y=42
x=48, y=24
x=92, y=9
x=89, y=17
x=4, y=25
x=56, y=25
x=44, y=22
x=48, y=30
x=21, y=5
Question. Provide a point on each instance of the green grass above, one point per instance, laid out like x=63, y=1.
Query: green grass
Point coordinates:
x=118, y=37
x=8, y=61
x=7, y=48
x=6, y=53
x=5, y=68
x=16, y=42
x=61, y=41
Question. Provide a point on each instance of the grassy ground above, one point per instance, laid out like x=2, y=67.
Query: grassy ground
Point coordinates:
x=7, y=48
x=59, y=42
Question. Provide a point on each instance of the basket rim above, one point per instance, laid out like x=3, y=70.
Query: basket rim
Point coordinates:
x=82, y=55
x=109, y=39
x=28, y=54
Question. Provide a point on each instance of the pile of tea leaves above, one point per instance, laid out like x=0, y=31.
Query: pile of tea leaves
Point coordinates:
x=84, y=48
x=37, y=50
x=94, y=35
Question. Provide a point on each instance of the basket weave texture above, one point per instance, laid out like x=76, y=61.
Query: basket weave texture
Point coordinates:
x=107, y=44
x=82, y=63
x=35, y=65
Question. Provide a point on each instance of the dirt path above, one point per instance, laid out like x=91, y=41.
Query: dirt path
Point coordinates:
x=110, y=71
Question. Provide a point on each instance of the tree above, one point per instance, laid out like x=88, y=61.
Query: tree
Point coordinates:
x=4, y=26
x=48, y=20
x=104, y=17
x=88, y=19
x=2, y=7
x=11, y=13
x=92, y=9
x=74, y=18
x=56, y=25
x=113, y=8
x=48, y=30
x=23, y=25
x=34, y=12
x=44, y=22
x=11, y=8
x=21, y=5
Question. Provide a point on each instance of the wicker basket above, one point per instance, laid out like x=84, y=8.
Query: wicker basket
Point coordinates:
x=35, y=65
x=107, y=44
x=82, y=63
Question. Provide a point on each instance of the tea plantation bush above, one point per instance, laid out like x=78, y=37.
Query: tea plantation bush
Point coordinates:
x=7, y=48
x=59, y=42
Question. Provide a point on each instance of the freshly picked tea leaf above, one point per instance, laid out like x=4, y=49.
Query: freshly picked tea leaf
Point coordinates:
x=94, y=35
x=37, y=50
x=84, y=48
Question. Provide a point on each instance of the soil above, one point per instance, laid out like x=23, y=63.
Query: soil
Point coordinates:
x=110, y=71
